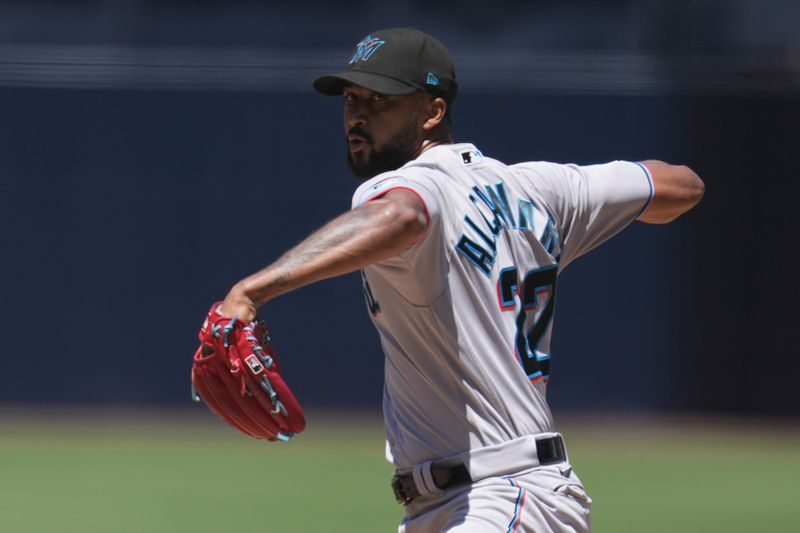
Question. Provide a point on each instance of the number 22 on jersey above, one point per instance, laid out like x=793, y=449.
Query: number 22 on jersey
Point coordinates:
x=535, y=296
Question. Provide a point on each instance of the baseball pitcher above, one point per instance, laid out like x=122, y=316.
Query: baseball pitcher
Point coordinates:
x=460, y=256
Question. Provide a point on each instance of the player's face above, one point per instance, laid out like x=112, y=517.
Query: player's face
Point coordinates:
x=382, y=132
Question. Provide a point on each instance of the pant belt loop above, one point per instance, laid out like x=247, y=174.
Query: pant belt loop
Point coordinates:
x=423, y=479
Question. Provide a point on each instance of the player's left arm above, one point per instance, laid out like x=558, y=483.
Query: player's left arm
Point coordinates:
x=377, y=230
x=677, y=189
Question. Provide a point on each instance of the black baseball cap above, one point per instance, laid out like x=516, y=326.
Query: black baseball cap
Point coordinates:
x=396, y=61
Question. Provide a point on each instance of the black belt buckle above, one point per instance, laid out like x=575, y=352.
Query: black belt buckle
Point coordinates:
x=550, y=450
x=405, y=490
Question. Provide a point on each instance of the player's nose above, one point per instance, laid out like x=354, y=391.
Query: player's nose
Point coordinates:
x=352, y=119
x=355, y=115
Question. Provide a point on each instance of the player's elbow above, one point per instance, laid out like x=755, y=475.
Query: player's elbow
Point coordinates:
x=694, y=188
x=689, y=193
x=678, y=189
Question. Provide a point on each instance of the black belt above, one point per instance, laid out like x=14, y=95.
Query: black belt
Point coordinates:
x=549, y=451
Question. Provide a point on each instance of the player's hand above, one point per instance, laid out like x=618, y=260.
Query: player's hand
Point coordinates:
x=238, y=304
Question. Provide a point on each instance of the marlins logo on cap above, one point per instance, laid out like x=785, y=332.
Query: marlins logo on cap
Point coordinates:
x=408, y=61
x=366, y=48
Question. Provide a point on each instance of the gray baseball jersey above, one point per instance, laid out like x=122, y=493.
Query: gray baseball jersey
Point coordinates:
x=465, y=314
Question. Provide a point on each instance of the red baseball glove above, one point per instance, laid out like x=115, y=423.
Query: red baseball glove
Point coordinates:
x=236, y=374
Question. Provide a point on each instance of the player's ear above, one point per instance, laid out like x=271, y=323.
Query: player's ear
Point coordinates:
x=437, y=108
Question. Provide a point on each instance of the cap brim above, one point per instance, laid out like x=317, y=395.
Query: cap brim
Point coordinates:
x=334, y=84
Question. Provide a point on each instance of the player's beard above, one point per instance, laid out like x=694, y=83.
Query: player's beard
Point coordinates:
x=401, y=148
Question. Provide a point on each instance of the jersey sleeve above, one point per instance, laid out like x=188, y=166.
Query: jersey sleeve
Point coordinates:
x=418, y=184
x=592, y=203
x=417, y=275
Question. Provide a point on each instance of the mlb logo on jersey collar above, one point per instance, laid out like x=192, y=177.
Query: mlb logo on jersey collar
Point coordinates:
x=472, y=156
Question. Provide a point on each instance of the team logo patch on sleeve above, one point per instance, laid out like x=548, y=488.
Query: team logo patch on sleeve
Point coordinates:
x=254, y=364
x=382, y=184
x=377, y=188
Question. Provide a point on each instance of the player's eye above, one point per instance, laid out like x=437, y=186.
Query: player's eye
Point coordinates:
x=377, y=97
x=349, y=97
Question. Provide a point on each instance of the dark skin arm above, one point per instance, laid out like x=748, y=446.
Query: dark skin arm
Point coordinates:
x=389, y=225
x=677, y=189
x=380, y=229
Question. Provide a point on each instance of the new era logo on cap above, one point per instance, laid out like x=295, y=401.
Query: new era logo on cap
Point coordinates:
x=366, y=48
x=432, y=79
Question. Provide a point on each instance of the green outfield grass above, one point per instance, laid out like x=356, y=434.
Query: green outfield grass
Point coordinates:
x=105, y=472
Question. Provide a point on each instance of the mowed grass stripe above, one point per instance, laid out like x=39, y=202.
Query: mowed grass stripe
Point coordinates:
x=151, y=473
x=87, y=476
x=690, y=476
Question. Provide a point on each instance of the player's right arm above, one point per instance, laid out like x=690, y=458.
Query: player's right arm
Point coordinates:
x=381, y=228
x=676, y=190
